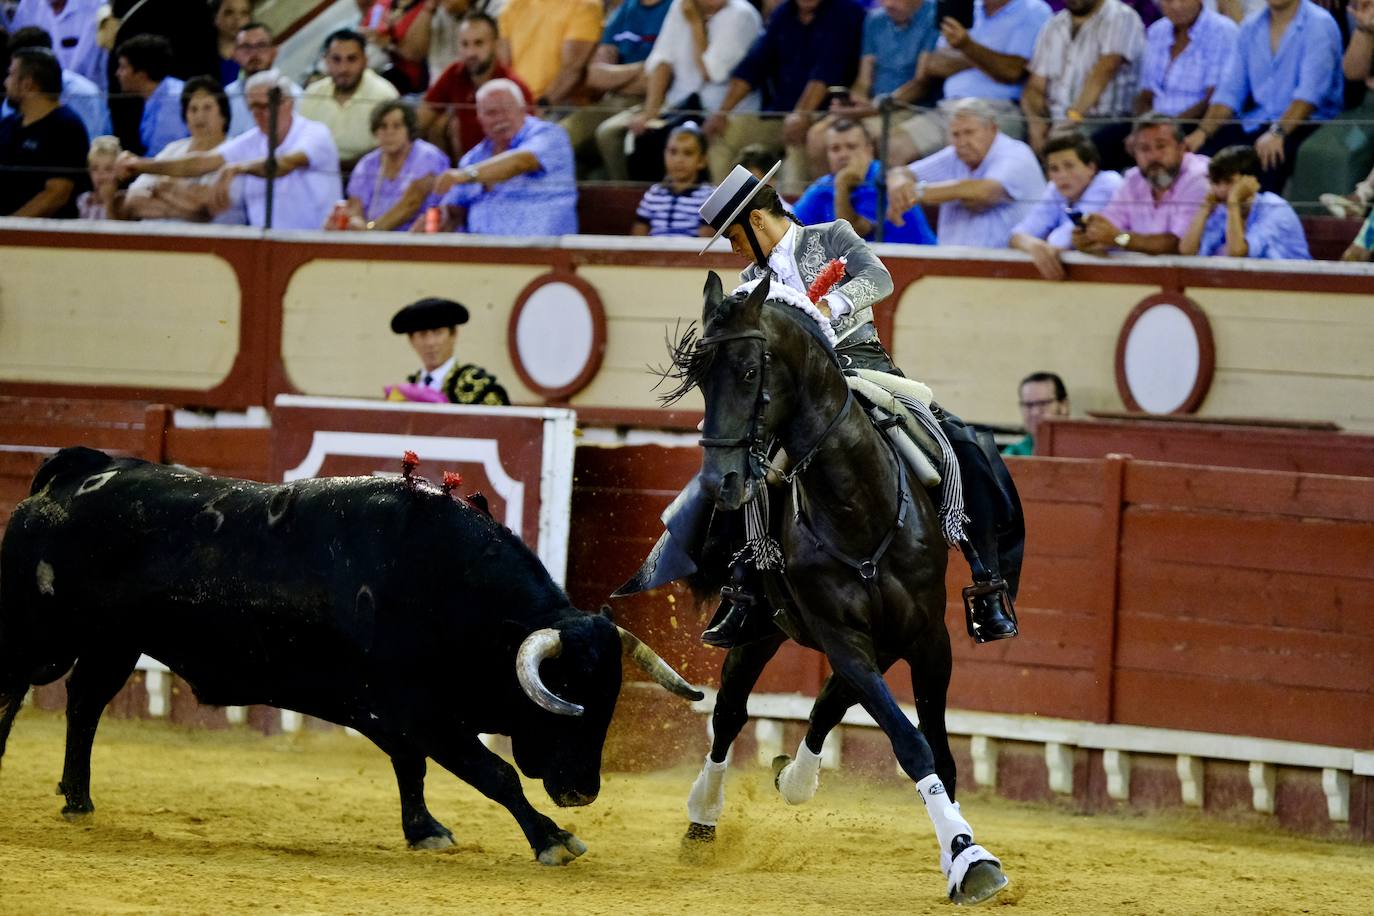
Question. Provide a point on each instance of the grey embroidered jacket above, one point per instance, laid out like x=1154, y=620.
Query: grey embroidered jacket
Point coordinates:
x=866, y=281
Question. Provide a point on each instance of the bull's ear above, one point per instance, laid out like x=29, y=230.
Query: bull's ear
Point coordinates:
x=606, y=612
x=749, y=311
x=712, y=295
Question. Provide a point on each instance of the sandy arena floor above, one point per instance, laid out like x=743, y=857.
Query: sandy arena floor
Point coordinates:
x=213, y=822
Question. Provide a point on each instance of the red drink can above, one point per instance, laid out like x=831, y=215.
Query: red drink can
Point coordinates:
x=433, y=219
x=339, y=218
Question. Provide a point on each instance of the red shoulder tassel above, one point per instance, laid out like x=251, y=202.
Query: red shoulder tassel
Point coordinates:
x=825, y=281
x=452, y=481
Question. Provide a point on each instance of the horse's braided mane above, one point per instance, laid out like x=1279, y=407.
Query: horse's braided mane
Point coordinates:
x=689, y=364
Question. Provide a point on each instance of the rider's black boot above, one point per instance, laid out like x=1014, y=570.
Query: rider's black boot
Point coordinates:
x=733, y=613
x=732, y=616
x=988, y=611
x=987, y=602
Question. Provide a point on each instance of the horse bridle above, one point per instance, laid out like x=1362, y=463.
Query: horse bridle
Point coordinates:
x=753, y=438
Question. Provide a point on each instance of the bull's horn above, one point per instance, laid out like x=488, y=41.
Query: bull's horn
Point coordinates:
x=656, y=667
x=539, y=645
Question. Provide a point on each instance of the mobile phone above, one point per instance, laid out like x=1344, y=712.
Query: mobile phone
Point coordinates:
x=961, y=11
x=836, y=94
x=1075, y=216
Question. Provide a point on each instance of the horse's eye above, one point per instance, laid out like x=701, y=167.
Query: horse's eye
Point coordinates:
x=751, y=373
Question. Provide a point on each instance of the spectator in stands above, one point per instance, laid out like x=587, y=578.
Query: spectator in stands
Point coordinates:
x=345, y=100
x=987, y=61
x=230, y=18
x=1237, y=219
x=443, y=25
x=616, y=73
x=43, y=144
x=850, y=190
x=548, y=44
x=671, y=206
x=448, y=117
x=1078, y=186
x=688, y=70
x=984, y=181
x=255, y=52
x=1042, y=395
x=144, y=70
x=1186, y=54
x=394, y=26
x=896, y=33
x=1362, y=246
x=102, y=201
x=807, y=46
x=388, y=189
x=205, y=110
x=78, y=93
x=1152, y=208
x=307, y=162
x=190, y=32
x=519, y=180
x=1085, y=70
x=757, y=159
x=71, y=27
x=1279, y=89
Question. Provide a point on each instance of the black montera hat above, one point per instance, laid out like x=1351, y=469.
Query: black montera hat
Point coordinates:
x=427, y=314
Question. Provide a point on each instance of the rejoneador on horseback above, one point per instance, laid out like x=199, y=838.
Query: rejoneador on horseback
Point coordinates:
x=804, y=509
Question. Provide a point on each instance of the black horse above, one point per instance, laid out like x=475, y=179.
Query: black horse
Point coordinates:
x=864, y=559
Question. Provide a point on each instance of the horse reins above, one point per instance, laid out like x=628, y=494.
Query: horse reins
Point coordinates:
x=753, y=440
x=758, y=457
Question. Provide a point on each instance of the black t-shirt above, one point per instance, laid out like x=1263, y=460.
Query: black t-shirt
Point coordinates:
x=54, y=146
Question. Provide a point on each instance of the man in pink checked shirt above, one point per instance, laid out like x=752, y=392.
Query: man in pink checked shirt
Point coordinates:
x=1153, y=207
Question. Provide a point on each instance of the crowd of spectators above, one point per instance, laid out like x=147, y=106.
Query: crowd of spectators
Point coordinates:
x=1162, y=126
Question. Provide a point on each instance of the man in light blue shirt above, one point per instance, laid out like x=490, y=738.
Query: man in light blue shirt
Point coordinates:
x=1239, y=220
x=1181, y=86
x=984, y=181
x=520, y=180
x=78, y=93
x=850, y=191
x=145, y=62
x=987, y=61
x=1280, y=97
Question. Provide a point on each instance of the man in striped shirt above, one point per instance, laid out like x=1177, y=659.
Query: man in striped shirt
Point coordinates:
x=1084, y=72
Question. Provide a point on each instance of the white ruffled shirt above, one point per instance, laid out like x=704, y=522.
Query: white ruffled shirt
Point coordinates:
x=783, y=261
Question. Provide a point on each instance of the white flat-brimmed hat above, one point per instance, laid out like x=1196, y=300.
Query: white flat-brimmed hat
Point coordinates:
x=728, y=201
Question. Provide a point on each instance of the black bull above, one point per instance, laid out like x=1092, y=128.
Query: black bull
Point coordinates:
x=375, y=603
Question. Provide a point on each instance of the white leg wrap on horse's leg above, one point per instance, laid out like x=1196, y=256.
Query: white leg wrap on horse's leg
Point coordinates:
x=798, y=781
x=949, y=823
x=707, y=799
x=944, y=814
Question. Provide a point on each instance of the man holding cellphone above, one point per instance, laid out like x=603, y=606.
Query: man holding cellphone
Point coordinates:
x=1078, y=186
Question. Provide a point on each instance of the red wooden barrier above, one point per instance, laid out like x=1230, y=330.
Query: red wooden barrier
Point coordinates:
x=1188, y=440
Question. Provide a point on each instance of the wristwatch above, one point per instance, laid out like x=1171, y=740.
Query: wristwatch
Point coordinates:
x=1122, y=239
x=1277, y=130
x=471, y=172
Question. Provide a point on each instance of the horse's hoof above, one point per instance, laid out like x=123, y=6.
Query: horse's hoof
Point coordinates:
x=779, y=763
x=438, y=841
x=564, y=851
x=983, y=881
x=76, y=814
x=700, y=833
